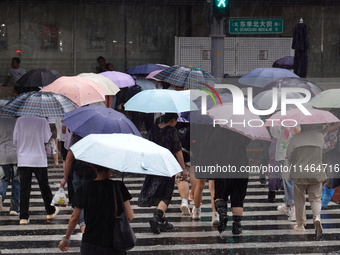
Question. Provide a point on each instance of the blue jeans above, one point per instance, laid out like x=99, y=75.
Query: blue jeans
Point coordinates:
x=289, y=192
x=11, y=177
x=77, y=180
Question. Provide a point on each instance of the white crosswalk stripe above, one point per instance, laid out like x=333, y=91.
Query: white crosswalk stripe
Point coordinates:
x=265, y=230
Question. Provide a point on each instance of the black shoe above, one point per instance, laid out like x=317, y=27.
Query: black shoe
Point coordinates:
x=222, y=225
x=237, y=228
x=263, y=181
x=271, y=197
x=154, y=225
x=166, y=227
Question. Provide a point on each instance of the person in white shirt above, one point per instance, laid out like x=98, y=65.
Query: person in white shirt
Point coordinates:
x=30, y=135
x=14, y=72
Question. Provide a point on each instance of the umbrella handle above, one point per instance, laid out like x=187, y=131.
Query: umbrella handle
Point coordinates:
x=123, y=177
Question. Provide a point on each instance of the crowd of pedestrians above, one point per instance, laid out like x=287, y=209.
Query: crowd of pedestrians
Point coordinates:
x=90, y=190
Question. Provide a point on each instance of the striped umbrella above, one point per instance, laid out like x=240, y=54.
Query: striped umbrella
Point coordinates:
x=40, y=104
x=186, y=77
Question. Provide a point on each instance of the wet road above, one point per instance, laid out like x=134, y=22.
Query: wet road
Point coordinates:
x=265, y=230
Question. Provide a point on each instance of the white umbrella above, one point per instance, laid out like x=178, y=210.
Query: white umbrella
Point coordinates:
x=126, y=153
x=110, y=88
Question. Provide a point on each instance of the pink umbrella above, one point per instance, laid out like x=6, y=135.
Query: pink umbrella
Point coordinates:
x=152, y=75
x=80, y=90
x=296, y=116
x=122, y=80
x=249, y=124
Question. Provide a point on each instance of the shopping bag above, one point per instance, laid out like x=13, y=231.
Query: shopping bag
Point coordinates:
x=59, y=198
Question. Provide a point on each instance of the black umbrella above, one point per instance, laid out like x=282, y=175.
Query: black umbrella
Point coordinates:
x=300, y=45
x=295, y=83
x=285, y=62
x=38, y=78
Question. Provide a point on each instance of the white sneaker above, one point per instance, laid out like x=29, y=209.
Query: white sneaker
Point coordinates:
x=283, y=209
x=185, y=208
x=13, y=213
x=51, y=216
x=292, y=216
x=24, y=221
x=318, y=226
x=196, y=213
x=215, y=218
x=299, y=228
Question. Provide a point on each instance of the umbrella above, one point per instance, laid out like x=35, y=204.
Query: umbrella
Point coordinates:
x=40, y=104
x=300, y=45
x=264, y=100
x=326, y=99
x=197, y=117
x=98, y=120
x=160, y=100
x=145, y=84
x=187, y=77
x=285, y=62
x=38, y=78
x=295, y=116
x=126, y=153
x=110, y=88
x=295, y=83
x=122, y=80
x=152, y=75
x=249, y=124
x=260, y=77
x=80, y=90
x=144, y=69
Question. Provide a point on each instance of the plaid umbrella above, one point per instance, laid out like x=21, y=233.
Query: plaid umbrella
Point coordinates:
x=40, y=104
x=187, y=77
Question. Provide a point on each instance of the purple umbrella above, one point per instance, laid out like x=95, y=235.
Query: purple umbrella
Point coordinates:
x=98, y=120
x=285, y=62
x=122, y=80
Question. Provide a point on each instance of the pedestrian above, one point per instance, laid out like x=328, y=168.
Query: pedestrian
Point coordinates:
x=80, y=171
x=304, y=154
x=8, y=164
x=97, y=199
x=231, y=151
x=30, y=135
x=101, y=65
x=158, y=190
x=14, y=72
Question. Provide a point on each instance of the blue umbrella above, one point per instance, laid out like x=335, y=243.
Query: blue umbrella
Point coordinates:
x=260, y=77
x=98, y=120
x=159, y=100
x=144, y=69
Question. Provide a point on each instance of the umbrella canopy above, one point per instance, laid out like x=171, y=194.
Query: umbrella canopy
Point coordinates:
x=110, y=88
x=264, y=100
x=160, y=100
x=144, y=69
x=295, y=83
x=153, y=74
x=80, y=90
x=186, y=77
x=326, y=99
x=234, y=122
x=38, y=78
x=260, y=77
x=126, y=153
x=145, y=84
x=98, y=120
x=122, y=80
x=294, y=116
x=40, y=104
x=285, y=62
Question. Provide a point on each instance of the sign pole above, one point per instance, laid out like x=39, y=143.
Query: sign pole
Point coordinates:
x=217, y=47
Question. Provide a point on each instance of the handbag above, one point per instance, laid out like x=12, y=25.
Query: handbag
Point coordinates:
x=124, y=238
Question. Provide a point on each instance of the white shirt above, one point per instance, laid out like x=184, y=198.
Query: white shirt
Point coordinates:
x=8, y=151
x=16, y=73
x=30, y=135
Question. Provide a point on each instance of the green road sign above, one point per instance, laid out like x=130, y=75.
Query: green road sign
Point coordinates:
x=256, y=26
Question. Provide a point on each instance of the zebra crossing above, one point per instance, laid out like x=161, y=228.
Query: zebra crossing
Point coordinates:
x=265, y=230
